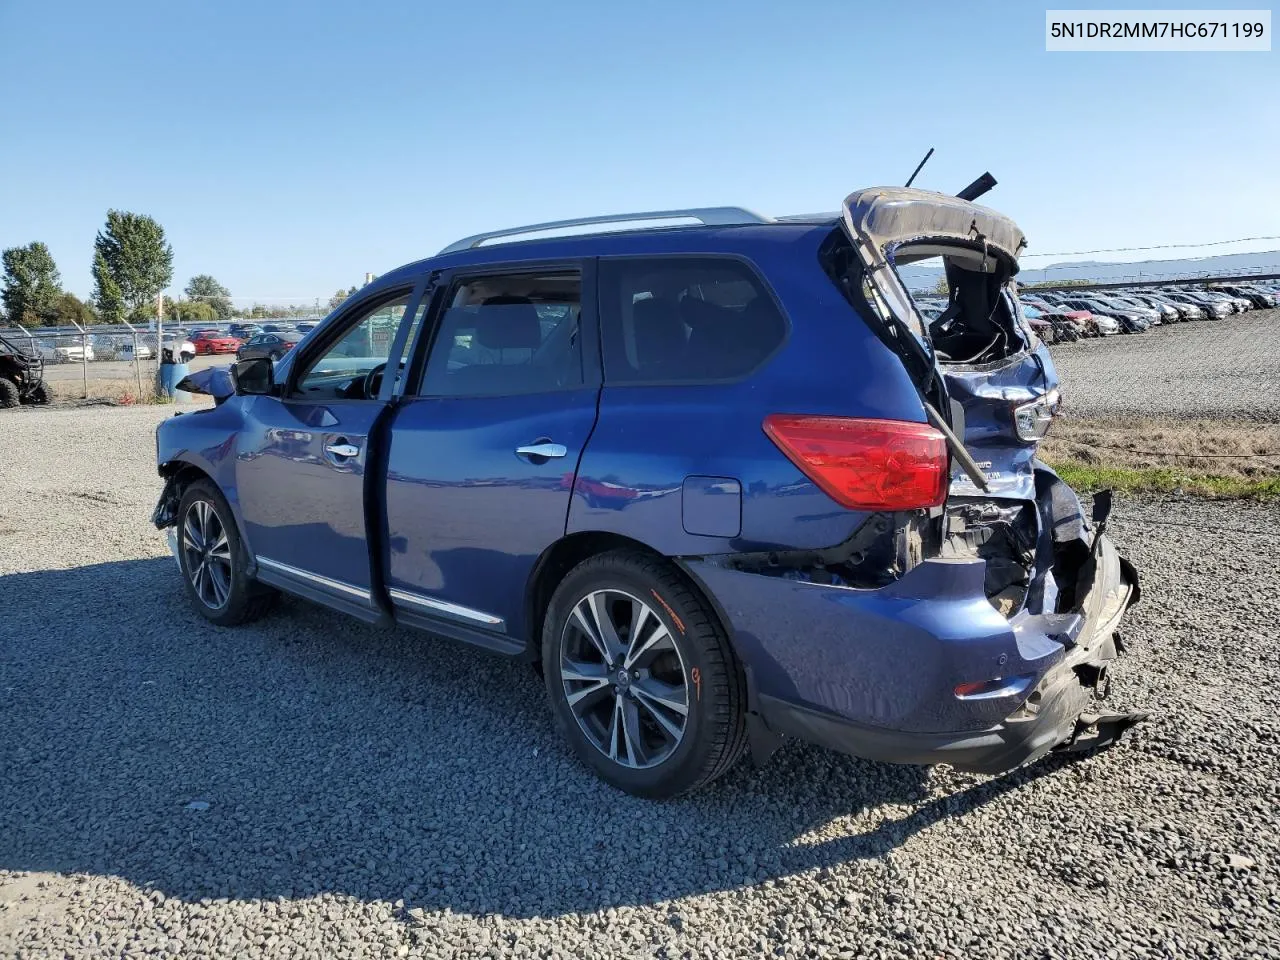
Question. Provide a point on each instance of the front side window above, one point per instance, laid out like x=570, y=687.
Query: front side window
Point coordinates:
x=508, y=334
x=685, y=319
x=343, y=370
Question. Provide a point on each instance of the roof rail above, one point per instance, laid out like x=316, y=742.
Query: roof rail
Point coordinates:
x=708, y=216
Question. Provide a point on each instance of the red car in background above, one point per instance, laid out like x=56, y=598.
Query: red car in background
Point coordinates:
x=214, y=341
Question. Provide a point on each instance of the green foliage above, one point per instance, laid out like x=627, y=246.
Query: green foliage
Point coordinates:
x=942, y=288
x=69, y=309
x=106, y=292
x=31, y=284
x=191, y=311
x=203, y=287
x=132, y=263
x=339, y=298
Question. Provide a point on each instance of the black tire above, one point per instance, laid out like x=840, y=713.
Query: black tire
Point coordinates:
x=9, y=396
x=241, y=599
x=714, y=731
x=38, y=395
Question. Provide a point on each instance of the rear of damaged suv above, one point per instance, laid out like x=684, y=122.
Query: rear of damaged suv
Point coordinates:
x=971, y=616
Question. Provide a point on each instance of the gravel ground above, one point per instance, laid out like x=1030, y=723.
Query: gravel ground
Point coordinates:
x=310, y=787
x=1226, y=368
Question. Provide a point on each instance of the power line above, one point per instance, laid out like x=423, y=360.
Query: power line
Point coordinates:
x=1162, y=246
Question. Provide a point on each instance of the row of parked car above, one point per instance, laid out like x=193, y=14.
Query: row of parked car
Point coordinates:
x=1070, y=314
x=181, y=343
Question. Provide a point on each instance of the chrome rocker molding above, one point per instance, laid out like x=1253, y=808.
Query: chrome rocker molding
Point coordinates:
x=449, y=609
x=330, y=584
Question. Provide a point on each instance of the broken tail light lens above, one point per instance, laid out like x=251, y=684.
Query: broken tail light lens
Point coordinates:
x=1032, y=419
x=866, y=464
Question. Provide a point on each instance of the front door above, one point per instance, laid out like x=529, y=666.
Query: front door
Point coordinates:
x=483, y=455
x=300, y=469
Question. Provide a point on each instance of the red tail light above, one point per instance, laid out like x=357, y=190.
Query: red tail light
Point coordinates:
x=866, y=464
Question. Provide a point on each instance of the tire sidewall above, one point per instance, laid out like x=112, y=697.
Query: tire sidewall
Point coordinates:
x=10, y=395
x=683, y=766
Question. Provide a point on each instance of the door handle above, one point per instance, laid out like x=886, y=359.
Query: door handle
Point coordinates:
x=342, y=449
x=545, y=450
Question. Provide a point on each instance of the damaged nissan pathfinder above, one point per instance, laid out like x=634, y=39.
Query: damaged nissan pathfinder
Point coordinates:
x=714, y=472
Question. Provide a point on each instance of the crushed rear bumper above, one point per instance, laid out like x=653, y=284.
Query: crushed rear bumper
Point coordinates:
x=1055, y=714
x=877, y=673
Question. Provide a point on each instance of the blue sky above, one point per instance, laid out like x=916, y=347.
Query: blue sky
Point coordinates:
x=288, y=147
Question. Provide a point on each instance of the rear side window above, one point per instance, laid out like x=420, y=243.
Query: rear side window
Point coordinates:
x=685, y=319
x=511, y=334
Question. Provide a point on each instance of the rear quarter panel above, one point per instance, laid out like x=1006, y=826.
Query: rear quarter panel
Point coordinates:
x=648, y=439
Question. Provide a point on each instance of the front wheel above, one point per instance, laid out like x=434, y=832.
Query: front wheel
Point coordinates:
x=214, y=561
x=641, y=677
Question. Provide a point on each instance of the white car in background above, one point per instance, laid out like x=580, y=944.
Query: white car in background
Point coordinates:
x=65, y=351
x=125, y=351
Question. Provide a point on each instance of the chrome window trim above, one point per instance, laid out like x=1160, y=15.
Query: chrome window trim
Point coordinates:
x=327, y=582
x=445, y=607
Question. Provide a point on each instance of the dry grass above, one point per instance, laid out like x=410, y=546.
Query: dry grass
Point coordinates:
x=121, y=392
x=1211, y=457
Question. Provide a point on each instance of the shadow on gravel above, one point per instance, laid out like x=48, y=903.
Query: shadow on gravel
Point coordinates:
x=379, y=765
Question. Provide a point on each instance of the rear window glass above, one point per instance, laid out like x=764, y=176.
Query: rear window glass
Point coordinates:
x=685, y=319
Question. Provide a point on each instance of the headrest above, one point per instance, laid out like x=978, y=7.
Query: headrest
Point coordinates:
x=659, y=332
x=505, y=322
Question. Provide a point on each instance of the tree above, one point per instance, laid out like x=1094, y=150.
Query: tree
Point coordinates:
x=132, y=263
x=69, y=309
x=204, y=287
x=189, y=311
x=339, y=298
x=942, y=288
x=31, y=284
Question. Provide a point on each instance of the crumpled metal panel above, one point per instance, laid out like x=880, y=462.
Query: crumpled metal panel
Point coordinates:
x=888, y=216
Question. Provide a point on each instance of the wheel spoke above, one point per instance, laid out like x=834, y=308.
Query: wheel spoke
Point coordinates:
x=632, y=735
x=607, y=632
x=614, y=730
x=221, y=548
x=191, y=531
x=665, y=695
x=590, y=632
x=220, y=578
x=658, y=639
x=672, y=729
x=591, y=680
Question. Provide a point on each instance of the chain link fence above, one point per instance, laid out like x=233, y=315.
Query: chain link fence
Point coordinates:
x=116, y=363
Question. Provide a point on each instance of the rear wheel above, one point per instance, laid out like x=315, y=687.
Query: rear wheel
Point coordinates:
x=641, y=677
x=214, y=561
x=9, y=396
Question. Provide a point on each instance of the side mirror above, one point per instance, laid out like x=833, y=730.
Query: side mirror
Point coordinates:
x=255, y=377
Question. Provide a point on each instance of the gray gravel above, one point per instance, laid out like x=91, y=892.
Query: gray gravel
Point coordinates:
x=310, y=787
x=1223, y=368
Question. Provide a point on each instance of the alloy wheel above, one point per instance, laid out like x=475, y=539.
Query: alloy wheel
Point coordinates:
x=207, y=553
x=624, y=679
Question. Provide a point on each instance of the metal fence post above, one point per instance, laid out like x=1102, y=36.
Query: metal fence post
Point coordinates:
x=84, y=357
x=137, y=360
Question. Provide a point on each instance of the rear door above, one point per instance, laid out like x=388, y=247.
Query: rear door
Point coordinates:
x=485, y=445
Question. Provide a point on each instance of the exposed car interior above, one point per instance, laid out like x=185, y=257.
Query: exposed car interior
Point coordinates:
x=979, y=323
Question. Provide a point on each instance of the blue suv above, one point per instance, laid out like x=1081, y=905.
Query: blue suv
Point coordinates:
x=713, y=472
